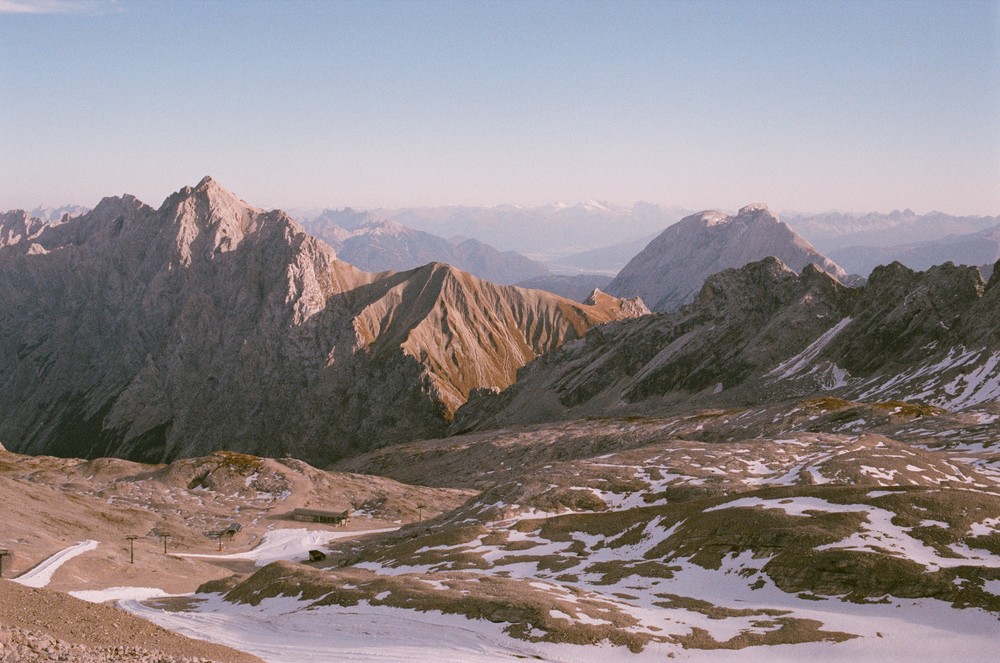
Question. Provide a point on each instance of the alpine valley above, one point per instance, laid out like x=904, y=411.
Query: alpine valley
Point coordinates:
x=213, y=421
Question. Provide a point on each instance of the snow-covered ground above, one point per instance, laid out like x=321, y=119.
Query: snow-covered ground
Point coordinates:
x=288, y=544
x=119, y=594
x=41, y=575
x=284, y=630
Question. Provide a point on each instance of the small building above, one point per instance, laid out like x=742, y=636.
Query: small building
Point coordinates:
x=233, y=529
x=319, y=516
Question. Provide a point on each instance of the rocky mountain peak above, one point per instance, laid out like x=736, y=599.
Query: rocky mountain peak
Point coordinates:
x=670, y=271
x=208, y=219
x=707, y=218
x=632, y=307
x=754, y=207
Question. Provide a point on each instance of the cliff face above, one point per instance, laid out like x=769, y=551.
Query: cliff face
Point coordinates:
x=209, y=324
x=763, y=333
x=670, y=271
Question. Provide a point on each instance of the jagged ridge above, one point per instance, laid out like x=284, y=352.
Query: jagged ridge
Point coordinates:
x=210, y=324
x=763, y=333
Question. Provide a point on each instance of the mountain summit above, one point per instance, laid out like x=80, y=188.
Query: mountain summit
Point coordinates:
x=670, y=271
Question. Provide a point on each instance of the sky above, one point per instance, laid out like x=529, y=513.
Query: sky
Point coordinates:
x=805, y=105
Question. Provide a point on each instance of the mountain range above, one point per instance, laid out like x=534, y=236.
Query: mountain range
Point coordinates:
x=544, y=233
x=792, y=462
x=210, y=324
x=977, y=248
x=764, y=333
x=831, y=231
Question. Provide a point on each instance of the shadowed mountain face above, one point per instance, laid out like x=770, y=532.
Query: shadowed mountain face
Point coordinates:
x=378, y=245
x=209, y=324
x=763, y=333
x=670, y=271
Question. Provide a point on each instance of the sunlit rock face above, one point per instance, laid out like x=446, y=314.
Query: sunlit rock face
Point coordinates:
x=670, y=271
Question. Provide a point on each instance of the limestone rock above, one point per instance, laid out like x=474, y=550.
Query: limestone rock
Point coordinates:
x=210, y=324
x=763, y=333
x=670, y=271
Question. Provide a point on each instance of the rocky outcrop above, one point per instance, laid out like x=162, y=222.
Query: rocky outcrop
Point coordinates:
x=762, y=333
x=210, y=324
x=378, y=245
x=670, y=271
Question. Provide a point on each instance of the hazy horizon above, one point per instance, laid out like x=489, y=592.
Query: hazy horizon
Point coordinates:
x=813, y=107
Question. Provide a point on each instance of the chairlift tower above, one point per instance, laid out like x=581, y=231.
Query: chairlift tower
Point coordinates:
x=131, y=547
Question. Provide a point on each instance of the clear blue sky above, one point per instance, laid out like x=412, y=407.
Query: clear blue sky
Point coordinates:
x=805, y=105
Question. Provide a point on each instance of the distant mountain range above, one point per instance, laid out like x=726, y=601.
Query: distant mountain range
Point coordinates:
x=670, y=271
x=978, y=248
x=543, y=233
x=379, y=245
x=52, y=214
x=210, y=324
x=838, y=230
x=577, y=287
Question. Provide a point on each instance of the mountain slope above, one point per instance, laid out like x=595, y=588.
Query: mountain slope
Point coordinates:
x=378, y=245
x=670, y=271
x=209, y=324
x=763, y=333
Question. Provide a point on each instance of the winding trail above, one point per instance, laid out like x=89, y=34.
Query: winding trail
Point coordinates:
x=41, y=575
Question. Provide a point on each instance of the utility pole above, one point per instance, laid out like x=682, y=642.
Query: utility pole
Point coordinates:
x=3, y=553
x=131, y=547
x=420, y=512
x=164, y=537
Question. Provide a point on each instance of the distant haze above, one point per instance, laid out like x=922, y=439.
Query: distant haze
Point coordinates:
x=807, y=105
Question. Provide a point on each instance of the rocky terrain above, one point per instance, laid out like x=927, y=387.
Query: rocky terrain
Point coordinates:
x=842, y=525
x=764, y=333
x=41, y=625
x=210, y=324
x=670, y=271
x=710, y=531
x=378, y=245
x=787, y=467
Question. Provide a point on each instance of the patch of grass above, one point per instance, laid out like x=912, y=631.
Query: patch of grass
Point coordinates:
x=789, y=631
